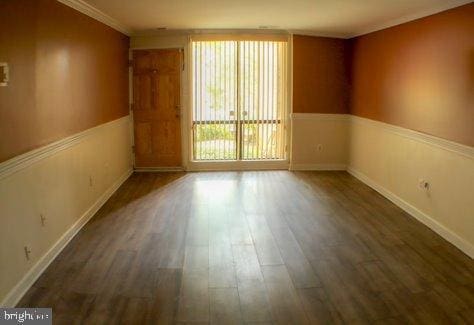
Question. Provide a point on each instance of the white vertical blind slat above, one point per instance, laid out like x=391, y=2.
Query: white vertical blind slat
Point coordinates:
x=247, y=78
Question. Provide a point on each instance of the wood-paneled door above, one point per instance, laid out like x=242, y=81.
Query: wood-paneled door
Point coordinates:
x=156, y=107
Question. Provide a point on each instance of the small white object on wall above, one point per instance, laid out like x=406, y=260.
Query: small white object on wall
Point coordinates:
x=4, y=74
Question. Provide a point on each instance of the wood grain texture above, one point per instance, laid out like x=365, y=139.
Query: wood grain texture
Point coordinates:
x=270, y=247
x=156, y=107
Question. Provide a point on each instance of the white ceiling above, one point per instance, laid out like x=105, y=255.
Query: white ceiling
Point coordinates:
x=338, y=18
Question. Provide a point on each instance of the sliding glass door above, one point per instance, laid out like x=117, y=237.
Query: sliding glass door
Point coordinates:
x=239, y=100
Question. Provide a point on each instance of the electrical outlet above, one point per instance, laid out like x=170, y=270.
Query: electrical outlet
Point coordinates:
x=43, y=220
x=4, y=74
x=91, y=183
x=27, y=252
x=319, y=147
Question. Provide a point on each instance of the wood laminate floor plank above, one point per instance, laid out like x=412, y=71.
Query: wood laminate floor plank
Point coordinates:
x=263, y=247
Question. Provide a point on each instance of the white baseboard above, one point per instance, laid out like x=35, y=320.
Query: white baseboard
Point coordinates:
x=318, y=167
x=237, y=165
x=158, y=169
x=14, y=296
x=428, y=221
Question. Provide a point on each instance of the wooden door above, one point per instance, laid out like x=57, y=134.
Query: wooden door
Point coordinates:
x=156, y=107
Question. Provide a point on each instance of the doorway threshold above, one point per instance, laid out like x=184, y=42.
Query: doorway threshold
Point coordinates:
x=238, y=165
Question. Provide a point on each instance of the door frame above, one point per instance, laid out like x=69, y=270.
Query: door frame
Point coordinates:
x=183, y=105
x=210, y=165
x=183, y=42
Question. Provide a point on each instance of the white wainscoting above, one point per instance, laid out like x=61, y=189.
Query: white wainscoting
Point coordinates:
x=66, y=182
x=55, y=181
x=393, y=160
x=319, y=141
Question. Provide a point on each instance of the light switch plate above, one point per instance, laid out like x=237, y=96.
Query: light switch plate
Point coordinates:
x=4, y=74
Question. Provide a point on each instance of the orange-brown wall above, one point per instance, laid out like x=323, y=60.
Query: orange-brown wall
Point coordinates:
x=419, y=75
x=68, y=73
x=320, y=75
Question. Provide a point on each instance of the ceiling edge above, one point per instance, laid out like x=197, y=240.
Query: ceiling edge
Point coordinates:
x=410, y=17
x=186, y=32
x=318, y=34
x=97, y=14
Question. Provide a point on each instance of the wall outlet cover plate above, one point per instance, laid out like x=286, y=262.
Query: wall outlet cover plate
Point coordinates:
x=4, y=74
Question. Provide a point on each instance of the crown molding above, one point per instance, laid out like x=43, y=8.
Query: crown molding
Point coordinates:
x=197, y=31
x=405, y=19
x=314, y=33
x=377, y=27
x=187, y=32
x=97, y=14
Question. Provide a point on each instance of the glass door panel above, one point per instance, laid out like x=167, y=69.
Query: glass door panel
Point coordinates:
x=262, y=101
x=214, y=100
x=239, y=100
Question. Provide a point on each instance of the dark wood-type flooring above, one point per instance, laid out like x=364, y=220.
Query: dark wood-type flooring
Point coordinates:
x=255, y=247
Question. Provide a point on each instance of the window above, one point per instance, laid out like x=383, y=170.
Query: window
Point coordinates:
x=239, y=99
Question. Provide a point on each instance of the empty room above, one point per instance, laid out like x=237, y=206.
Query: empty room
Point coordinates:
x=236, y=162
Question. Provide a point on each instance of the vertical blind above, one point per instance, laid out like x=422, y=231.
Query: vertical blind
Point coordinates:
x=239, y=99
